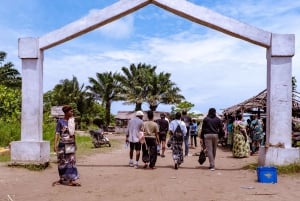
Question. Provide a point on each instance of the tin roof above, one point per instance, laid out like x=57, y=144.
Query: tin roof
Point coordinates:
x=130, y=114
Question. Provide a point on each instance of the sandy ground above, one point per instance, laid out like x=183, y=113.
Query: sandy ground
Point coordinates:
x=107, y=176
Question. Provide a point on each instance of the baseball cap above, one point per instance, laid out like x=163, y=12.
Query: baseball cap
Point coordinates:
x=139, y=113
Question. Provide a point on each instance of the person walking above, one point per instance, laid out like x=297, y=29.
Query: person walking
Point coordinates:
x=229, y=128
x=135, y=126
x=151, y=140
x=212, y=126
x=65, y=148
x=241, y=147
x=163, y=125
x=258, y=134
x=194, y=133
x=177, y=141
x=187, y=120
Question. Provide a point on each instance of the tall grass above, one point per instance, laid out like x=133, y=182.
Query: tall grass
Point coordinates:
x=9, y=131
x=293, y=168
x=12, y=132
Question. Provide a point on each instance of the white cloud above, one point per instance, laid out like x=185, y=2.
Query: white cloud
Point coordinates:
x=119, y=29
x=211, y=68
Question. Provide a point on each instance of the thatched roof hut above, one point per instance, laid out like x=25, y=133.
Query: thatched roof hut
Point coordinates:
x=259, y=102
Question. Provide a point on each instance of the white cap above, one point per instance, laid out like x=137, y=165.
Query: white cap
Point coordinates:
x=139, y=113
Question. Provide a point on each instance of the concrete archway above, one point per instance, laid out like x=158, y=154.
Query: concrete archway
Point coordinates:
x=279, y=52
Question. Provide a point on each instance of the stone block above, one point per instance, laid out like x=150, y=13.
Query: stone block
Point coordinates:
x=28, y=48
x=283, y=45
x=278, y=156
x=30, y=152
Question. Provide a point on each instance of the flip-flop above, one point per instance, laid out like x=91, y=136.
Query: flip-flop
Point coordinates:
x=74, y=184
x=59, y=182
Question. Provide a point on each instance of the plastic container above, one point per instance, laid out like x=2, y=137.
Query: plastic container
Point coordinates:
x=266, y=174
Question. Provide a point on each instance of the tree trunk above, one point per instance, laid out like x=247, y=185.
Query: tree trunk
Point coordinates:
x=107, y=114
x=153, y=107
x=138, y=106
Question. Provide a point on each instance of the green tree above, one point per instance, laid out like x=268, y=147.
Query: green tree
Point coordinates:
x=162, y=90
x=185, y=105
x=105, y=88
x=9, y=76
x=141, y=84
x=135, y=84
x=294, y=83
x=72, y=93
x=10, y=104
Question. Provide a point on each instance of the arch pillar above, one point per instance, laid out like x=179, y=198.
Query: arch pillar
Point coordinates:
x=278, y=149
x=37, y=150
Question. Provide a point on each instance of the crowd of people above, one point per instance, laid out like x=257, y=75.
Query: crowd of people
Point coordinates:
x=152, y=136
x=182, y=132
x=242, y=137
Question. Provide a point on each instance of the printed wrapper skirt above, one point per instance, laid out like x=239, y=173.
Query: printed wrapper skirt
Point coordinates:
x=241, y=148
x=66, y=165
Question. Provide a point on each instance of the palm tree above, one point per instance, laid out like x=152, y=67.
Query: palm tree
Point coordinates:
x=162, y=90
x=9, y=76
x=105, y=88
x=70, y=92
x=141, y=84
x=67, y=92
x=135, y=83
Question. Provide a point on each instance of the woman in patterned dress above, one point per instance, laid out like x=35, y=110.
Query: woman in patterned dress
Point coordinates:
x=65, y=148
x=241, y=147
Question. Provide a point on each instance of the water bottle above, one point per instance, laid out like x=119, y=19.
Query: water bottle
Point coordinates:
x=126, y=144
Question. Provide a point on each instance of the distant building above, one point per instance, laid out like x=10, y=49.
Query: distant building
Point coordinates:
x=56, y=112
x=123, y=117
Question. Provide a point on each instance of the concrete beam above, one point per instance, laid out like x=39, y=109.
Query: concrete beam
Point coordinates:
x=90, y=22
x=208, y=18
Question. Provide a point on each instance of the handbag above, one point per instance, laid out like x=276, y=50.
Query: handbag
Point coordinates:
x=202, y=157
x=70, y=148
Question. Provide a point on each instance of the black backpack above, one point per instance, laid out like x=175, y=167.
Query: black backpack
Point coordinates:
x=178, y=132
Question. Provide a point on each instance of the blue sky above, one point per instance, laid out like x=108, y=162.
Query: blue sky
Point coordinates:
x=211, y=69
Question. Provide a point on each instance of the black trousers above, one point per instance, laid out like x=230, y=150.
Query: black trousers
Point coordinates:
x=150, y=148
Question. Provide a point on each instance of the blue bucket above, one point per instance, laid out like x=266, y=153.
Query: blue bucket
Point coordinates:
x=266, y=174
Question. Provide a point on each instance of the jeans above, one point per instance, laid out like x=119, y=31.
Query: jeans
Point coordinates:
x=186, y=144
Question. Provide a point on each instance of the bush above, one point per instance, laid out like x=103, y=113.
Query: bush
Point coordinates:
x=9, y=131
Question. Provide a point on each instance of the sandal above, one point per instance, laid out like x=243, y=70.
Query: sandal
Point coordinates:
x=59, y=182
x=74, y=184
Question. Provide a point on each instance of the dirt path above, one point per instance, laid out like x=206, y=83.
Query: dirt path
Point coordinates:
x=108, y=177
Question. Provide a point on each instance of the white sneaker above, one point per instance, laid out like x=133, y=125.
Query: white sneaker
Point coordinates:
x=136, y=165
x=131, y=163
